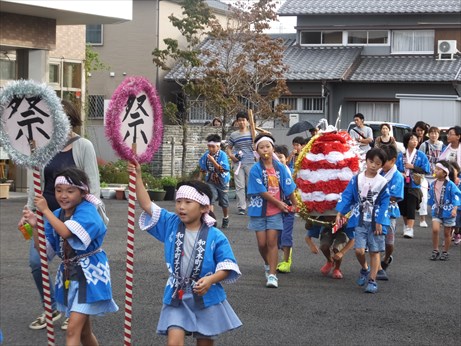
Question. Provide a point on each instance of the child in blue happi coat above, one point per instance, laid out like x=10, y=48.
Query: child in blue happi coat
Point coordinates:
x=395, y=183
x=215, y=165
x=75, y=232
x=198, y=257
x=367, y=198
x=269, y=184
x=445, y=199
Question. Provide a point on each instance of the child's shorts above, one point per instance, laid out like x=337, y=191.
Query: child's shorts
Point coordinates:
x=314, y=231
x=286, y=236
x=337, y=240
x=390, y=236
x=220, y=194
x=447, y=222
x=365, y=238
x=262, y=223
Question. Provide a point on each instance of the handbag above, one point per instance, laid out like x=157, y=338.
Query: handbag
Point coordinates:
x=417, y=178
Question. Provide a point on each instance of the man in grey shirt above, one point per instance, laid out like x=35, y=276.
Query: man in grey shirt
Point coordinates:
x=361, y=133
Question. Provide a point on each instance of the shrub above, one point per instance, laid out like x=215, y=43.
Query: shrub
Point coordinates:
x=169, y=181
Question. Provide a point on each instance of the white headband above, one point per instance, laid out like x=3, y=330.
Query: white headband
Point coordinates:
x=189, y=192
x=264, y=139
x=61, y=180
x=443, y=168
x=213, y=143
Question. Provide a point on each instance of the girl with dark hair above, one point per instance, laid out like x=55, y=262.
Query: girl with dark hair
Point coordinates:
x=269, y=186
x=198, y=257
x=453, y=151
x=75, y=232
x=445, y=199
x=410, y=164
x=421, y=129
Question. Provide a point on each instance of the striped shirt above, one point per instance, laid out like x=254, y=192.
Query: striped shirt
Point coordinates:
x=241, y=141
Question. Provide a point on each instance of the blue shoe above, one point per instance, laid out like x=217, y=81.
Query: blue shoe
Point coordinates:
x=372, y=287
x=382, y=275
x=363, y=277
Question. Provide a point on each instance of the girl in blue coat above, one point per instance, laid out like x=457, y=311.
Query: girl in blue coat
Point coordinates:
x=75, y=232
x=198, y=257
x=445, y=199
x=269, y=185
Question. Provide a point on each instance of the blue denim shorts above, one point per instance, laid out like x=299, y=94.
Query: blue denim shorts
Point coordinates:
x=220, y=194
x=447, y=222
x=365, y=238
x=263, y=223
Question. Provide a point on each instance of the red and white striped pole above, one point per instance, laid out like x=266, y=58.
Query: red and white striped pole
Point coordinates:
x=129, y=259
x=44, y=264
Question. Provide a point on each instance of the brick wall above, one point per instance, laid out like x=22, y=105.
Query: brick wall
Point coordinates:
x=70, y=42
x=27, y=31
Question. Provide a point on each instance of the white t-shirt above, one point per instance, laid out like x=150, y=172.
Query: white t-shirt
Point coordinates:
x=366, y=131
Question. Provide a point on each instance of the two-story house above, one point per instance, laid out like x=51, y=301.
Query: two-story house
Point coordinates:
x=45, y=41
x=369, y=56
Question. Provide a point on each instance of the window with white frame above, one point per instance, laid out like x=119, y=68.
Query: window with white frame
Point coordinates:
x=197, y=111
x=95, y=106
x=94, y=34
x=7, y=68
x=290, y=102
x=313, y=104
x=380, y=111
x=413, y=41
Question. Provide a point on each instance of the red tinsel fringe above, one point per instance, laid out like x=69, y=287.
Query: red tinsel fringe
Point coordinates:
x=352, y=163
x=332, y=186
x=320, y=207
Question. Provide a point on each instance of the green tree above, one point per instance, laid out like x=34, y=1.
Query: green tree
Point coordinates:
x=193, y=27
x=247, y=71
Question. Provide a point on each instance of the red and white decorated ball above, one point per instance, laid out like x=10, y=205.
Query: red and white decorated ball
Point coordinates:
x=328, y=164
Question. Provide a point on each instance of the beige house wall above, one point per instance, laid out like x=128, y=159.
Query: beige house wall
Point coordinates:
x=70, y=42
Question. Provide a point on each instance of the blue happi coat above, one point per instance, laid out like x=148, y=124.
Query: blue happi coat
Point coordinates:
x=222, y=160
x=450, y=199
x=218, y=254
x=88, y=231
x=420, y=160
x=256, y=186
x=350, y=200
x=395, y=185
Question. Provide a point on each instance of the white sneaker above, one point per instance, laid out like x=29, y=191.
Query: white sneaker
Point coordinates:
x=272, y=281
x=408, y=233
x=267, y=270
x=423, y=224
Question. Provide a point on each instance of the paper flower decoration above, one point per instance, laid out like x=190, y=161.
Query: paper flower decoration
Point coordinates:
x=134, y=116
x=323, y=170
x=30, y=111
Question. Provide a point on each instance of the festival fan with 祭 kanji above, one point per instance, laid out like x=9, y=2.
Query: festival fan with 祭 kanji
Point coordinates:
x=323, y=170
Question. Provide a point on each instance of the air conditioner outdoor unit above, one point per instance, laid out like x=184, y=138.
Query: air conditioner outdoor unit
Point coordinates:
x=446, y=49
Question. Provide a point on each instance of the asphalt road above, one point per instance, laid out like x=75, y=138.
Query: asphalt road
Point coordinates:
x=420, y=305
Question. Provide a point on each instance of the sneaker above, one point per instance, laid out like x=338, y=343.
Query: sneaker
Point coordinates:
x=266, y=270
x=225, y=222
x=435, y=255
x=444, y=256
x=372, y=287
x=457, y=240
x=408, y=233
x=382, y=275
x=272, y=281
x=423, y=224
x=325, y=270
x=284, y=267
x=40, y=321
x=241, y=211
x=337, y=274
x=65, y=324
x=363, y=277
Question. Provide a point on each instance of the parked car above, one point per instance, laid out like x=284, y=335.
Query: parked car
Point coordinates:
x=397, y=131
